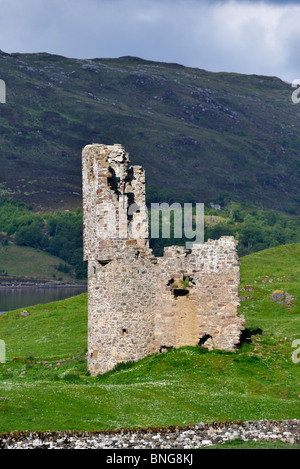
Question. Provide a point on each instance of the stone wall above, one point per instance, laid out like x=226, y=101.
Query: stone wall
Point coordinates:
x=159, y=438
x=140, y=304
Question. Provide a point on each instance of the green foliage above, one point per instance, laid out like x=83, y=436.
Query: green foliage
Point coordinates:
x=31, y=235
x=65, y=239
x=185, y=282
x=59, y=234
x=72, y=378
x=255, y=230
x=63, y=268
x=156, y=195
x=11, y=211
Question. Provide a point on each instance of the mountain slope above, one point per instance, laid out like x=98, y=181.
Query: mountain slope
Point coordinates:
x=215, y=135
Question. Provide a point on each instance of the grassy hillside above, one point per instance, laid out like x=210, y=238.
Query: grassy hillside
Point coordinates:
x=45, y=385
x=22, y=261
x=216, y=135
x=59, y=235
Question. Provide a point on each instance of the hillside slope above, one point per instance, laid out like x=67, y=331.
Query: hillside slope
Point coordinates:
x=45, y=386
x=216, y=135
x=19, y=264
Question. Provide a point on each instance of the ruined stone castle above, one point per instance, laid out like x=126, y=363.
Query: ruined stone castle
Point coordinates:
x=139, y=304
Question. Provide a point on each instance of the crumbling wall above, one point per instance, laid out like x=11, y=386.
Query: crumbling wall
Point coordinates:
x=139, y=304
x=211, y=301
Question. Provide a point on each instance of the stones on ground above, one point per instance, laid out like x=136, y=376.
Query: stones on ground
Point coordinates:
x=24, y=313
x=246, y=298
x=283, y=298
x=247, y=288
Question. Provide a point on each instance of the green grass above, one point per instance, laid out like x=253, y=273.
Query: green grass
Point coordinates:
x=56, y=329
x=188, y=385
x=27, y=262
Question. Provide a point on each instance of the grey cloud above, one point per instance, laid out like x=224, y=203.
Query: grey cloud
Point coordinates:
x=242, y=36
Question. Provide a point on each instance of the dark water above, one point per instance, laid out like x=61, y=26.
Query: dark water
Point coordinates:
x=14, y=298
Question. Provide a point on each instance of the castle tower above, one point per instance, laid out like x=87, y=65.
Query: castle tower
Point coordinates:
x=139, y=304
x=119, y=259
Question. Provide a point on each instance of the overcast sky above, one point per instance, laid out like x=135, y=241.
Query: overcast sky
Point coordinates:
x=260, y=37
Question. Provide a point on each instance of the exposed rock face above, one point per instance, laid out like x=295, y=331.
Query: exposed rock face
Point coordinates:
x=139, y=304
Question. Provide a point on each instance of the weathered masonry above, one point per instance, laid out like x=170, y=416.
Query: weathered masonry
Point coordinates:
x=139, y=304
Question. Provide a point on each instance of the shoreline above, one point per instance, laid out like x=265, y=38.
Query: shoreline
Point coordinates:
x=42, y=285
x=10, y=282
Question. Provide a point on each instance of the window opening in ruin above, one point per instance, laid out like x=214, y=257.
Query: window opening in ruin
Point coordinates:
x=131, y=206
x=94, y=270
x=179, y=287
x=113, y=181
x=104, y=263
x=130, y=175
x=124, y=331
x=180, y=292
x=90, y=169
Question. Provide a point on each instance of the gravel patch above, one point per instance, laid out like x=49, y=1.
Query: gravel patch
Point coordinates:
x=172, y=437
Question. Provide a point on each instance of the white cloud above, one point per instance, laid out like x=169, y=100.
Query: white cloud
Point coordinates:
x=242, y=36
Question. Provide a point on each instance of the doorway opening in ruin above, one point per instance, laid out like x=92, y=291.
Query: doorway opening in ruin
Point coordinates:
x=204, y=339
x=165, y=348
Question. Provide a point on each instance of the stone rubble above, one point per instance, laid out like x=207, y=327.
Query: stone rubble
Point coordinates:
x=158, y=438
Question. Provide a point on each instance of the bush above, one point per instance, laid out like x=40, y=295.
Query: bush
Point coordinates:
x=72, y=378
x=31, y=235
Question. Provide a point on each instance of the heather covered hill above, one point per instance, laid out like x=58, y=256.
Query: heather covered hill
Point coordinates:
x=218, y=136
